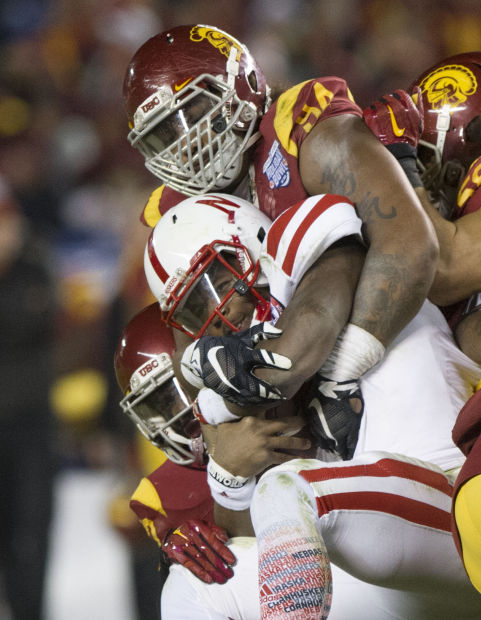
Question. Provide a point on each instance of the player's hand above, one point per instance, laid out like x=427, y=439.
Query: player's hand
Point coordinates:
x=201, y=549
x=396, y=118
x=334, y=414
x=246, y=448
x=225, y=364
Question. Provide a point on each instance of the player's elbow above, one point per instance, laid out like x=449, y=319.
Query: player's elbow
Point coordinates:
x=416, y=254
x=425, y=259
x=420, y=245
x=422, y=267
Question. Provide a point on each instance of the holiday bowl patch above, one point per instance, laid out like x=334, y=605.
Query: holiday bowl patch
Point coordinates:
x=275, y=167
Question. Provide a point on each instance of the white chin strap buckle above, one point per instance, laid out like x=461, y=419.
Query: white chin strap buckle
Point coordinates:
x=232, y=67
x=442, y=126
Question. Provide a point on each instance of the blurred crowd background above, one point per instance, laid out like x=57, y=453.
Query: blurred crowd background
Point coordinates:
x=71, y=244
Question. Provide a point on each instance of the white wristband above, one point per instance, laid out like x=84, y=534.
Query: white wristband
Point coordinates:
x=213, y=408
x=227, y=490
x=356, y=351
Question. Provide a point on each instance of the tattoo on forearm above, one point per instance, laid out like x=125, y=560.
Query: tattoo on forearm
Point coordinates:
x=390, y=300
x=369, y=207
x=341, y=181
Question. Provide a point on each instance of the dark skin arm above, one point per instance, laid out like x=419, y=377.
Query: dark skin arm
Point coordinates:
x=235, y=522
x=315, y=315
x=246, y=448
x=459, y=267
x=341, y=156
x=468, y=335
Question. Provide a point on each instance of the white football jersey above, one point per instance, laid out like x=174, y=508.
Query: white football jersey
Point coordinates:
x=298, y=237
x=413, y=396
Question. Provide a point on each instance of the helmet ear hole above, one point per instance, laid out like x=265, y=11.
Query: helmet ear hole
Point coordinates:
x=473, y=130
x=252, y=81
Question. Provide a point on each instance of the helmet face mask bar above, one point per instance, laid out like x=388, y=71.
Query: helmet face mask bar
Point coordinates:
x=202, y=298
x=162, y=411
x=195, y=140
x=441, y=179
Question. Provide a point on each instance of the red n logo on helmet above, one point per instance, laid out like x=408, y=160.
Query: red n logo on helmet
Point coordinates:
x=221, y=203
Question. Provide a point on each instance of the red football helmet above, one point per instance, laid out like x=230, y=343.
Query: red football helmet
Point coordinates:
x=154, y=398
x=451, y=139
x=194, y=96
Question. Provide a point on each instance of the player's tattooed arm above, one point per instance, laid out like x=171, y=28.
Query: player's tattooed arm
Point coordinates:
x=341, y=155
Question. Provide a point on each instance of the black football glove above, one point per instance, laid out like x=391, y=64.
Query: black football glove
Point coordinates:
x=334, y=412
x=225, y=364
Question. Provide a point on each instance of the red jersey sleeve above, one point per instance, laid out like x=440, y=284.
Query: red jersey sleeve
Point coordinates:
x=301, y=107
x=283, y=128
x=169, y=495
x=467, y=436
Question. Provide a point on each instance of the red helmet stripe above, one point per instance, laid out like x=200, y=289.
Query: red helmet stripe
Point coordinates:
x=217, y=203
x=154, y=261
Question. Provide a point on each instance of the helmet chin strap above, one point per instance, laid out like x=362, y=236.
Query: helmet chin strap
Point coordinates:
x=252, y=140
x=443, y=122
x=232, y=67
x=198, y=449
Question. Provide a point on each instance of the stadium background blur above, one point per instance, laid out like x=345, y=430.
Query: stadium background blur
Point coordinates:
x=67, y=168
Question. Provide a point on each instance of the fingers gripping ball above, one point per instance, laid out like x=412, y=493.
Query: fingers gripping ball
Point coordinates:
x=225, y=364
x=201, y=549
x=334, y=415
x=396, y=118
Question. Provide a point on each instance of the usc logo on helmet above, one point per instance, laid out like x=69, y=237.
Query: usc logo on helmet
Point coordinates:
x=449, y=86
x=150, y=105
x=145, y=370
x=218, y=39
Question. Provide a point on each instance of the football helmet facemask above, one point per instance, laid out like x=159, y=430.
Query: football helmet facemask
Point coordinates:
x=154, y=399
x=194, y=96
x=201, y=256
x=451, y=139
